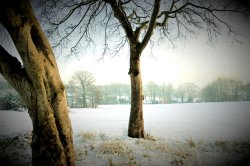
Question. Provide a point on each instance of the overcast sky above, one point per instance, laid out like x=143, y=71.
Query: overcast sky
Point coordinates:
x=193, y=60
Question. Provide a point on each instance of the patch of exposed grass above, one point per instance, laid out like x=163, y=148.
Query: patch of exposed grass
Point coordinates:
x=177, y=162
x=149, y=137
x=103, y=136
x=153, y=145
x=87, y=135
x=182, y=153
x=221, y=145
x=190, y=142
x=146, y=156
x=81, y=153
x=114, y=147
x=233, y=146
x=15, y=150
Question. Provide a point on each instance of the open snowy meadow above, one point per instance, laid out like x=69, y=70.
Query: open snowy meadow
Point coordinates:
x=177, y=134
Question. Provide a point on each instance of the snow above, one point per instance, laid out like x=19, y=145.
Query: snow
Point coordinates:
x=179, y=134
x=211, y=121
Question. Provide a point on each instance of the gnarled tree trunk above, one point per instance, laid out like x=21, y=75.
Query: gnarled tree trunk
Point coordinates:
x=39, y=83
x=136, y=122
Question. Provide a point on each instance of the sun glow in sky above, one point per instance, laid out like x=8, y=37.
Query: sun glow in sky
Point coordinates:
x=190, y=61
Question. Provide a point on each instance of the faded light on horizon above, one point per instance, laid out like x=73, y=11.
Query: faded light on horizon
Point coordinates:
x=193, y=61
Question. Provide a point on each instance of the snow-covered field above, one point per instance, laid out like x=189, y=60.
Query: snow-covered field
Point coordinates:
x=212, y=121
x=180, y=134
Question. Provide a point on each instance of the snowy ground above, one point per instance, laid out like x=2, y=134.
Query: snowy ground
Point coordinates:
x=180, y=134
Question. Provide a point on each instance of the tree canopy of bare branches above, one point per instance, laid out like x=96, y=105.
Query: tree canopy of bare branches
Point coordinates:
x=73, y=23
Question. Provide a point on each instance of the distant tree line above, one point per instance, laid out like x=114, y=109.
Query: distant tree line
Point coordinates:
x=166, y=93
x=226, y=89
x=115, y=93
x=82, y=92
x=220, y=90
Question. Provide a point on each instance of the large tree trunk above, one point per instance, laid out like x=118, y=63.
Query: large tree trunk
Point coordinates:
x=39, y=84
x=136, y=122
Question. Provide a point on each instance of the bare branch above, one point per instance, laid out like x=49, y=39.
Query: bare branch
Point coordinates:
x=123, y=3
x=106, y=36
x=73, y=28
x=152, y=24
x=73, y=10
x=121, y=16
x=139, y=19
x=204, y=8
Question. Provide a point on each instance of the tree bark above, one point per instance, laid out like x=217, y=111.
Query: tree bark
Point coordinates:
x=136, y=121
x=39, y=83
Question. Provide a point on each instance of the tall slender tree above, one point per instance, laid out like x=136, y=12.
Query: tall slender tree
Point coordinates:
x=38, y=81
x=134, y=22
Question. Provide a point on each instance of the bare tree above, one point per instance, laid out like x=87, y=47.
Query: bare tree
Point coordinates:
x=133, y=22
x=82, y=83
x=39, y=84
x=191, y=91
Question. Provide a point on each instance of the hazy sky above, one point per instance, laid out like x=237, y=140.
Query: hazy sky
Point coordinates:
x=191, y=61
